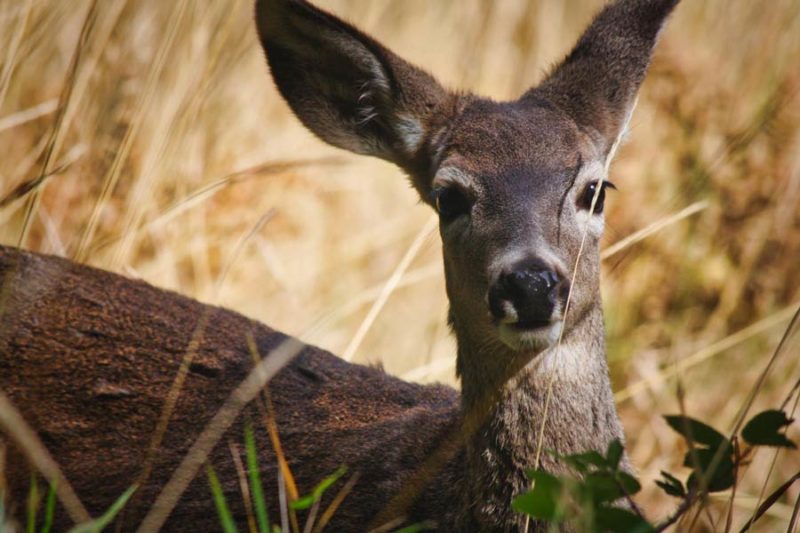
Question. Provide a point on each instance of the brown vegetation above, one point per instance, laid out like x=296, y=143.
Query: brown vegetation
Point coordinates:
x=173, y=159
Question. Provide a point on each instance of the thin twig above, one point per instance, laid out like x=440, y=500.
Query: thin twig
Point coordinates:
x=656, y=226
x=389, y=288
x=26, y=115
x=243, y=486
x=336, y=502
x=794, y=324
x=142, y=106
x=729, y=514
x=777, y=450
x=56, y=132
x=795, y=513
x=709, y=351
x=771, y=499
x=312, y=516
x=240, y=246
x=282, y=502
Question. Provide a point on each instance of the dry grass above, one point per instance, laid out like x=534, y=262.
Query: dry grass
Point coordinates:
x=172, y=158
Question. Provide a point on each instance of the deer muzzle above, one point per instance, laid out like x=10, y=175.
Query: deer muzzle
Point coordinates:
x=526, y=297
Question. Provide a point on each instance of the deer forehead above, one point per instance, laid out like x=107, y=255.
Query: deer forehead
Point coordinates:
x=497, y=147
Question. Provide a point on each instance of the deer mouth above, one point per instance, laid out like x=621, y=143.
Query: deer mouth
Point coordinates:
x=530, y=335
x=529, y=325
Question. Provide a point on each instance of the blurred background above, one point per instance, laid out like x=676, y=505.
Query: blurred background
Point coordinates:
x=147, y=138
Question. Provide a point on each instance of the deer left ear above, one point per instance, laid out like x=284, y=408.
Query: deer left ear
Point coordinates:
x=596, y=85
x=346, y=87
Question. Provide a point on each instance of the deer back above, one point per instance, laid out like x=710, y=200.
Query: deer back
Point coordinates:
x=88, y=357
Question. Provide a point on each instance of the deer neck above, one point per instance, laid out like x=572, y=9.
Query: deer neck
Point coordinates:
x=503, y=412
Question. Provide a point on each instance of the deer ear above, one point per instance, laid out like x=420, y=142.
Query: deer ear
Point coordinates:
x=596, y=84
x=346, y=87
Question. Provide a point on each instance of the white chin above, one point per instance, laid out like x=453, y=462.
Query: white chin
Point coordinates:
x=538, y=339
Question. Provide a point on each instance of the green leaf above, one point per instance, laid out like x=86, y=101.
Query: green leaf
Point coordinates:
x=671, y=485
x=694, y=431
x=764, y=429
x=49, y=509
x=302, y=503
x=225, y=517
x=630, y=485
x=256, y=489
x=721, y=478
x=602, y=487
x=307, y=501
x=614, y=454
x=621, y=521
x=98, y=524
x=543, y=501
x=582, y=461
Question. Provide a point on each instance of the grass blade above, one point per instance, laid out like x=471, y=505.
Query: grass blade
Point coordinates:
x=49, y=509
x=256, y=489
x=243, y=486
x=225, y=517
x=98, y=524
x=337, y=501
x=33, y=505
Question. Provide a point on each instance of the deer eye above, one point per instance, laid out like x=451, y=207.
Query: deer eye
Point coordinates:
x=585, y=200
x=450, y=203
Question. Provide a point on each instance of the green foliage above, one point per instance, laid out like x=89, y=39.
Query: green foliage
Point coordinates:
x=225, y=517
x=710, y=454
x=712, y=469
x=32, y=508
x=33, y=505
x=49, y=509
x=695, y=431
x=316, y=494
x=616, y=519
x=98, y=524
x=256, y=489
x=544, y=500
x=587, y=501
x=764, y=429
x=671, y=485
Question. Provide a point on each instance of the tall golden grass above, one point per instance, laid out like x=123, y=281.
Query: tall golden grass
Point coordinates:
x=147, y=138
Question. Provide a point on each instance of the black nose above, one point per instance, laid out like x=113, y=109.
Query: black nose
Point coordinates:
x=532, y=291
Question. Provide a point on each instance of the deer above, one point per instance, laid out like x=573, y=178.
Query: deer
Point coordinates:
x=88, y=357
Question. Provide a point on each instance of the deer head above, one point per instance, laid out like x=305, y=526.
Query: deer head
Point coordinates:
x=519, y=186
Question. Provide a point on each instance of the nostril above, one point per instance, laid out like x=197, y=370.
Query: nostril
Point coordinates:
x=531, y=293
x=550, y=277
x=530, y=284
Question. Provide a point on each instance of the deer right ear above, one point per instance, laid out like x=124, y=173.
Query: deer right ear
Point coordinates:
x=346, y=87
x=596, y=84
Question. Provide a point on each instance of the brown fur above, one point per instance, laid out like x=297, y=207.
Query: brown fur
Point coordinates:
x=89, y=357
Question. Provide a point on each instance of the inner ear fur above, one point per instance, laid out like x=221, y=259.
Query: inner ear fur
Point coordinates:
x=349, y=89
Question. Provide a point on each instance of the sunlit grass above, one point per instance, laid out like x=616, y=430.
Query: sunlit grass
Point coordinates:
x=168, y=102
